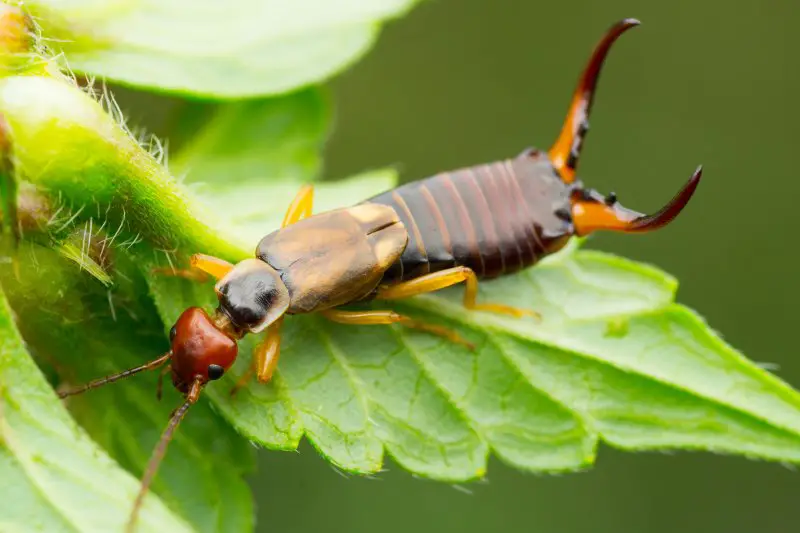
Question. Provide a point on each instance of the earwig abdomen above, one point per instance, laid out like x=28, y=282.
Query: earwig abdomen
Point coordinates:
x=496, y=218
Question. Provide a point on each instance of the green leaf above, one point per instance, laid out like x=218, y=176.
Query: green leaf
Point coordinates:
x=54, y=477
x=275, y=139
x=541, y=396
x=214, y=49
x=614, y=359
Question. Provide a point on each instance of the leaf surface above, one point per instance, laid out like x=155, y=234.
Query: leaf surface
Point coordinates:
x=55, y=478
x=214, y=49
x=614, y=360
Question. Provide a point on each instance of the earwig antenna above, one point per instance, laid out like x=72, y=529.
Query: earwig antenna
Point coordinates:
x=567, y=148
x=116, y=377
x=161, y=450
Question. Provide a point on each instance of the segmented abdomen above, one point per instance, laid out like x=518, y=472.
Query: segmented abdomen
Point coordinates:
x=495, y=219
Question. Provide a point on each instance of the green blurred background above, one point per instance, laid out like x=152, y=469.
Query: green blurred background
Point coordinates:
x=460, y=82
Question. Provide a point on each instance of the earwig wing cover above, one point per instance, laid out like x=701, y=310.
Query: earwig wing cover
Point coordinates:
x=336, y=257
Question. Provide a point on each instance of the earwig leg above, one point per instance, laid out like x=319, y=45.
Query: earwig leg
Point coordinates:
x=445, y=278
x=185, y=273
x=300, y=207
x=268, y=352
x=367, y=318
x=265, y=357
x=213, y=266
x=202, y=266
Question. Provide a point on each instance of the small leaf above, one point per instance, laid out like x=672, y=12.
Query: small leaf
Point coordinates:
x=214, y=49
x=257, y=141
x=56, y=477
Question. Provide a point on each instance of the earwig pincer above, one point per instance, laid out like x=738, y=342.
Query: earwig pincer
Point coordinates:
x=479, y=222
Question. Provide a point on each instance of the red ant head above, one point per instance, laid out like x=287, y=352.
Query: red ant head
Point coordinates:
x=201, y=349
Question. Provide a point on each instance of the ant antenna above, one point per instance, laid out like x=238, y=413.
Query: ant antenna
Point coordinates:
x=115, y=377
x=161, y=449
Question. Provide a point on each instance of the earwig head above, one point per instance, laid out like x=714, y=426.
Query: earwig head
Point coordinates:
x=253, y=295
x=200, y=349
x=590, y=210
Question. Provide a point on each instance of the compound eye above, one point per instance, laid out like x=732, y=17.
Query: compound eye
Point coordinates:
x=215, y=372
x=172, y=333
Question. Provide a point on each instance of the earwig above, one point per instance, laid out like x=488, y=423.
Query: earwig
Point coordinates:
x=479, y=222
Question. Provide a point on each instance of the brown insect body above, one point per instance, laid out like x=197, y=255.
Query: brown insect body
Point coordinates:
x=495, y=219
x=334, y=258
x=455, y=227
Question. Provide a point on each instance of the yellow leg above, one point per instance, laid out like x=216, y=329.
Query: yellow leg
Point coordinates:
x=202, y=266
x=213, y=266
x=300, y=207
x=368, y=318
x=268, y=352
x=445, y=278
x=265, y=358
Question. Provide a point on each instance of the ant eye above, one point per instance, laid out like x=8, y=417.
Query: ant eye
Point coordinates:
x=215, y=372
x=172, y=333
